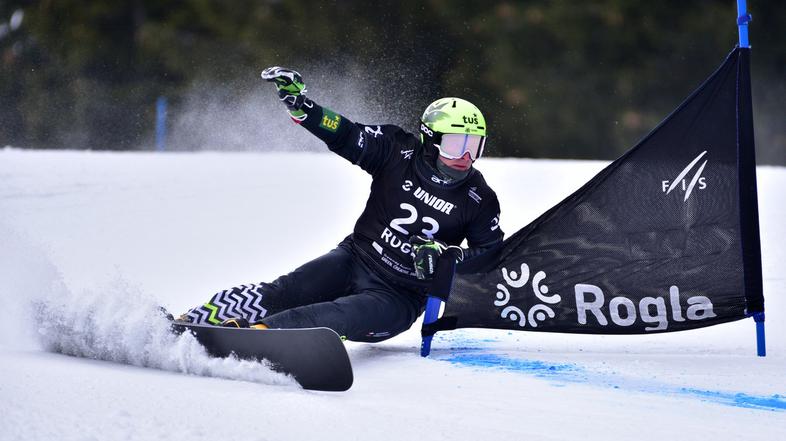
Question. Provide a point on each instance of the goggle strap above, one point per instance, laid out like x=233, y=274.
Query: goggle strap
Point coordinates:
x=429, y=135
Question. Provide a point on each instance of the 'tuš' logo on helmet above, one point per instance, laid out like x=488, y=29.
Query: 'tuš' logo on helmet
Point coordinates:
x=470, y=119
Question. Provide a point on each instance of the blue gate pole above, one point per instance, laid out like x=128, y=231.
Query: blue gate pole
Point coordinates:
x=433, y=304
x=440, y=289
x=161, y=124
x=743, y=18
x=761, y=346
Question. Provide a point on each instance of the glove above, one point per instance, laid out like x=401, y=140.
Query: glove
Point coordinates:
x=426, y=252
x=290, y=86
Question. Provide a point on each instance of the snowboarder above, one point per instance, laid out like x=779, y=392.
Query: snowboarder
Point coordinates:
x=426, y=198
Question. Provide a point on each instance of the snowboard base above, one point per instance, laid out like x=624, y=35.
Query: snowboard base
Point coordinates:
x=315, y=357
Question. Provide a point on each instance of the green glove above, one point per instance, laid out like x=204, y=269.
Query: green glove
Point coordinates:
x=426, y=252
x=291, y=88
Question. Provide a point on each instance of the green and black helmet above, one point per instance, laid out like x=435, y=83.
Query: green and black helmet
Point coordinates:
x=455, y=127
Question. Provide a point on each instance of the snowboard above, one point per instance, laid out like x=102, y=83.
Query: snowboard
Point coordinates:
x=315, y=357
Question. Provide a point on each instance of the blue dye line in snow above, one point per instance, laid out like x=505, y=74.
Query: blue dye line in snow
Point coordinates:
x=773, y=402
x=536, y=367
x=572, y=373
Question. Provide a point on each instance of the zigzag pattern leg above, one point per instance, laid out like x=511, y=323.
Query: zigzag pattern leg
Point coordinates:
x=258, y=312
x=226, y=305
x=198, y=315
x=239, y=302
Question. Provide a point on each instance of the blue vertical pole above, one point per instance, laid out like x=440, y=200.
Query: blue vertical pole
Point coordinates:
x=433, y=304
x=743, y=18
x=761, y=346
x=441, y=286
x=161, y=124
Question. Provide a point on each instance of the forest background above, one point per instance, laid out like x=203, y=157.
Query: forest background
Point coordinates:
x=555, y=79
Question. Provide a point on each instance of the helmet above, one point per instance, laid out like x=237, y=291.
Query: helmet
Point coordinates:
x=461, y=121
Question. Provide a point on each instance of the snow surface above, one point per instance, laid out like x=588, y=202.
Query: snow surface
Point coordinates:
x=91, y=243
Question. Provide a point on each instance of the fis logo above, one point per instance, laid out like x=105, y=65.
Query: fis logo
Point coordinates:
x=697, y=181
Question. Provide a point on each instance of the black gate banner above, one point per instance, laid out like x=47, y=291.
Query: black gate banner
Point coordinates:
x=666, y=238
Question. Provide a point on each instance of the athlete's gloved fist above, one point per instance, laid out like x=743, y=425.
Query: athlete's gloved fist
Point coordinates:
x=290, y=86
x=426, y=252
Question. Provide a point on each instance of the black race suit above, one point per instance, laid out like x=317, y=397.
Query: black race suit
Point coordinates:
x=366, y=288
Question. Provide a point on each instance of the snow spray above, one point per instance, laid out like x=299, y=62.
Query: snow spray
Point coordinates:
x=115, y=322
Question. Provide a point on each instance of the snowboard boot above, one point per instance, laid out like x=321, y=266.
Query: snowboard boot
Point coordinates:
x=183, y=318
x=241, y=323
x=235, y=323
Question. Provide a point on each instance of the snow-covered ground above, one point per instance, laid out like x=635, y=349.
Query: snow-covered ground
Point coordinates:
x=90, y=243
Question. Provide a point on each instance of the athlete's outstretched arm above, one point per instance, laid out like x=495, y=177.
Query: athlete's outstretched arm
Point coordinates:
x=349, y=140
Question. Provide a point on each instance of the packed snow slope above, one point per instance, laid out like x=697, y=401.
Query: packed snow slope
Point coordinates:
x=91, y=243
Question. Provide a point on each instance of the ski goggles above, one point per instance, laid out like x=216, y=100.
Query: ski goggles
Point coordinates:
x=455, y=145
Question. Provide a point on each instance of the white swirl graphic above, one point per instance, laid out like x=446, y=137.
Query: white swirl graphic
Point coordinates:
x=515, y=314
x=538, y=313
x=541, y=290
x=514, y=280
x=503, y=295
